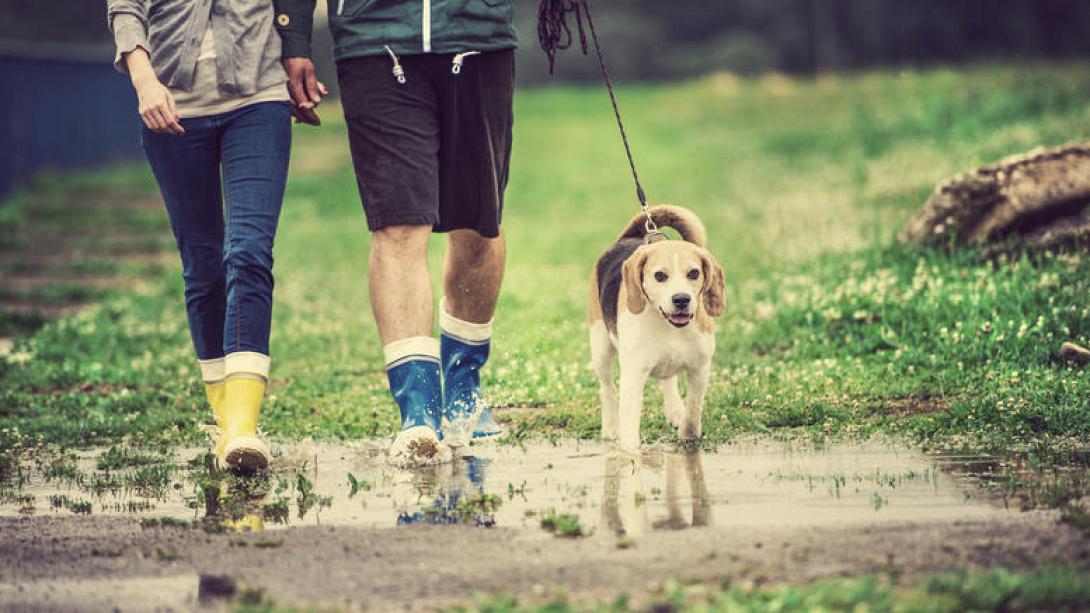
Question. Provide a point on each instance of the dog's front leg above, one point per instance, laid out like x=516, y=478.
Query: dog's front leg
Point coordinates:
x=633, y=380
x=694, y=403
x=673, y=404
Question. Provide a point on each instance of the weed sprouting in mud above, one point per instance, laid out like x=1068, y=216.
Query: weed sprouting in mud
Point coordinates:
x=276, y=511
x=15, y=498
x=836, y=483
x=168, y=522
x=355, y=485
x=878, y=500
x=168, y=554
x=305, y=496
x=565, y=525
x=75, y=505
x=513, y=491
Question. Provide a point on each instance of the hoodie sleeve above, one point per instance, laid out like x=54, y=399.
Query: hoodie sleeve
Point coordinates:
x=295, y=22
x=128, y=21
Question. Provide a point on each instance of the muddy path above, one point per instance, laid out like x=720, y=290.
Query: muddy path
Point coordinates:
x=424, y=567
x=337, y=526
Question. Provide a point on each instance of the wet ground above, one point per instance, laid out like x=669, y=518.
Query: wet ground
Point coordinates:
x=336, y=525
x=603, y=492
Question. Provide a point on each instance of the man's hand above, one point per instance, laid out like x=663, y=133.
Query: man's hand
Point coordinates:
x=305, y=89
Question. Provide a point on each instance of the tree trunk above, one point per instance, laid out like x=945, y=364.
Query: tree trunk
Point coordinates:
x=1039, y=196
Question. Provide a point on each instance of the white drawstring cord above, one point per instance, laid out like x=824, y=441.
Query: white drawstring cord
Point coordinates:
x=459, y=59
x=399, y=72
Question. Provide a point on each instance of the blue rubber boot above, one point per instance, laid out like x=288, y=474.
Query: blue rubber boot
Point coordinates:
x=412, y=369
x=464, y=348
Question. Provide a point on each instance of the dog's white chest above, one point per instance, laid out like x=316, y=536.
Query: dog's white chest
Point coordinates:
x=663, y=350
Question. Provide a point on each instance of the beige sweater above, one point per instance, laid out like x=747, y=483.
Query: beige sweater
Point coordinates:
x=206, y=98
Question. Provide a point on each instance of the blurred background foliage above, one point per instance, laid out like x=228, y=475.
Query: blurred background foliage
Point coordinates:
x=652, y=40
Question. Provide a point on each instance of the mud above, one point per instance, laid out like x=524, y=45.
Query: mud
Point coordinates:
x=358, y=533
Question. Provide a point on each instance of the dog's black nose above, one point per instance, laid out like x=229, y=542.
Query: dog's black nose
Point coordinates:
x=681, y=301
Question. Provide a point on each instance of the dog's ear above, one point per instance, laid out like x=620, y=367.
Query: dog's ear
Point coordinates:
x=632, y=277
x=714, y=285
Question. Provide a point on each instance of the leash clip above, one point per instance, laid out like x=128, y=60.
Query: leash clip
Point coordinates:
x=652, y=234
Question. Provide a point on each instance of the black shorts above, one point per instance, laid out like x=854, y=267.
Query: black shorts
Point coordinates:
x=435, y=149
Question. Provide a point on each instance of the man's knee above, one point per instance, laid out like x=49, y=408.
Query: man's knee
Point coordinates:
x=474, y=249
x=402, y=239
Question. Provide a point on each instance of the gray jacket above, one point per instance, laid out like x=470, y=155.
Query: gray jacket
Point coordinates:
x=247, y=45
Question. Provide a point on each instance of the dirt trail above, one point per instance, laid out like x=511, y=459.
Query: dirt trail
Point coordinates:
x=423, y=567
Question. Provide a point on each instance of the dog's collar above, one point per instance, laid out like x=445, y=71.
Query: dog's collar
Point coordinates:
x=654, y=236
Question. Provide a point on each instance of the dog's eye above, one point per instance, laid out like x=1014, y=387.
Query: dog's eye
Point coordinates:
x=660, y=277
x=694, y=273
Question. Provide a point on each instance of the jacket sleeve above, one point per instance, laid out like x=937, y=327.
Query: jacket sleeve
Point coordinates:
x=128, y=21
x=295, y=22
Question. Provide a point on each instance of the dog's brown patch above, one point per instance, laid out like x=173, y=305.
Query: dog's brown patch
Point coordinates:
x=594, y=309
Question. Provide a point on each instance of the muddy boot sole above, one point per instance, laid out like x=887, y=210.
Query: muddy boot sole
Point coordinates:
x=246, y=454
x=418, y=446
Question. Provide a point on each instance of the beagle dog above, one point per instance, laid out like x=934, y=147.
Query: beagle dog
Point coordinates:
x=652, y=303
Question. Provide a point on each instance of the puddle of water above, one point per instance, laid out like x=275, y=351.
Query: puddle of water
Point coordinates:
x=578, y=486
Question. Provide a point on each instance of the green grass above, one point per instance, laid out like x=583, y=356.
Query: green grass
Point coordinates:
x=1046, y=589
x=831, y=329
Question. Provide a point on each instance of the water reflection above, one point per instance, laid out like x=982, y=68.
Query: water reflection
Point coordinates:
x=237, y=503
x=451, y=493
x=689, y=464
x=585, y=485
x=626, y=501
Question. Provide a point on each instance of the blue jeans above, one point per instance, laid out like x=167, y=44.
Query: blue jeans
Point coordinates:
x=225, y=228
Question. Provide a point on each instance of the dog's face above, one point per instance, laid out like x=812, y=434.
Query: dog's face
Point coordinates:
x=677, y=278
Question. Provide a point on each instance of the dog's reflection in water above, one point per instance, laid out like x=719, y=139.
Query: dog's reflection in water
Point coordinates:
x=446, y=494
x=625, y=501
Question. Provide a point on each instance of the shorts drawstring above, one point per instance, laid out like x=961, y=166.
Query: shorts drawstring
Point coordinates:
x=399, y=72
x=459, y=59
x=455, y=65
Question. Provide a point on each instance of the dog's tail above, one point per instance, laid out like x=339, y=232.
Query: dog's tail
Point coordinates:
x=687, y=224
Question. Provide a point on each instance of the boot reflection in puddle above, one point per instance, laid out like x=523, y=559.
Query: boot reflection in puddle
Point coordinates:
x=449, y=494
x=624, y=501
x=235, y=502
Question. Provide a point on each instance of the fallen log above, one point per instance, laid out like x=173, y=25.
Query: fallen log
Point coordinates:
x=1040, y=196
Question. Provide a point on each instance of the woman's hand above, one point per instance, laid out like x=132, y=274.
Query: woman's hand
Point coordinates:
x=156, y=102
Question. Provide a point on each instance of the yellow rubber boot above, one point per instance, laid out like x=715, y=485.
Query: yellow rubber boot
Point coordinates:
x=243, y=450
x=215, y=393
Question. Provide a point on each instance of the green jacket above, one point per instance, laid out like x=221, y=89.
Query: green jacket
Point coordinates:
x=366, y=27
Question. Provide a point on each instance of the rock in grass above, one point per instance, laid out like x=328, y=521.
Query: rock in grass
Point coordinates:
x=1039, y=196
x=1070, y=352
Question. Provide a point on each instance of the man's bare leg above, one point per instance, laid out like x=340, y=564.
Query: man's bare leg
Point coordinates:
x=474, y=272
x=401, y=296
x=401, y=299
